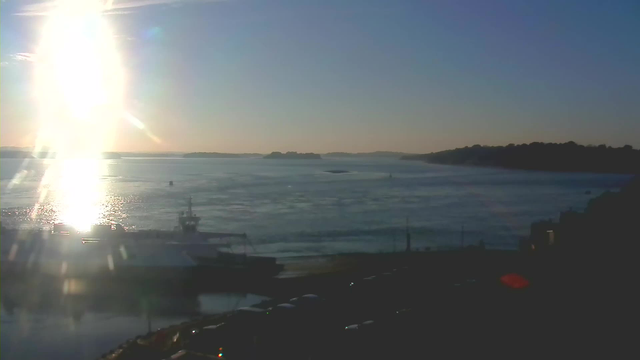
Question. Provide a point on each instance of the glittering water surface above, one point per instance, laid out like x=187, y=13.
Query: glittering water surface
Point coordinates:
x=293, y=207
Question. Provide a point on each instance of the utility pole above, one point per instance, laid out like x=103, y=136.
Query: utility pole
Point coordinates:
x=149, y=314
x=408, y=236
x=462, y=237
x=394, y=241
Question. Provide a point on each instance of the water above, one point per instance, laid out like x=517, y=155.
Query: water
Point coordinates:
x=295, y=207
x=85, y=328
x=286, y=207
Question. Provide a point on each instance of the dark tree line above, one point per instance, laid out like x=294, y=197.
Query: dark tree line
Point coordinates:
x=591, y=256
x=541, y=156
x=610, y=222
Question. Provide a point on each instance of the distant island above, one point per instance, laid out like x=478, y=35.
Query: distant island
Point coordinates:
x=16, y=154
x=20, y=154
x=293, y=155
x=150, y=155
x=569, y=157
x=216, y=155
x=373, y=154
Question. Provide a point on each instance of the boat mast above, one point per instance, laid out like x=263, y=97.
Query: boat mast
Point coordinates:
x=189, y=221
x=189, y=210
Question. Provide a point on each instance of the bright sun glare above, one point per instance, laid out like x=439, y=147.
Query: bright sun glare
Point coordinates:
x=80, y=90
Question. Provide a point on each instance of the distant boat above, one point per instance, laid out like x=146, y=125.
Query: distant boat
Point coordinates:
x=588, y=192
x=390, y=176
x=171, y=183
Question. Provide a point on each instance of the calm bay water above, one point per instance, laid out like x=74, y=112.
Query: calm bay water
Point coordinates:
x=295, y=207
x=287, y=207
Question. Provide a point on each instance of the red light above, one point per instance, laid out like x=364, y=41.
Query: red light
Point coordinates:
x=514, y=281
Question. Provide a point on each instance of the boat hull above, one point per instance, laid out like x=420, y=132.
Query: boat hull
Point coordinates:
x=130, y=262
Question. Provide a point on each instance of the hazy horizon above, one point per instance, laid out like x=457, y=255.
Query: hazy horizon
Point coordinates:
x=327, y=76
x=18, y=148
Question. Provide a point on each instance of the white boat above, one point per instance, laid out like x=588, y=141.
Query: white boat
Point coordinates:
x=110, y=250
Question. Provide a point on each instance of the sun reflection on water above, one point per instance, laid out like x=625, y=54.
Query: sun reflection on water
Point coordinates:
x=79, y=192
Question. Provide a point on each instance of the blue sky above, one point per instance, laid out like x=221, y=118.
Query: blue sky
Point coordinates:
x=416, y=76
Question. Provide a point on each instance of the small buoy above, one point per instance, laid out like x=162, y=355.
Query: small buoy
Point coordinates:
x=171, y=183
x=588, y=192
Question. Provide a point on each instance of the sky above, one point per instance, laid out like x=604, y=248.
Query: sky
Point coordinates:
x=356, y=76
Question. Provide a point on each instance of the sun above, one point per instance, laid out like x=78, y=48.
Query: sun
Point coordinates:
x=79, y=83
